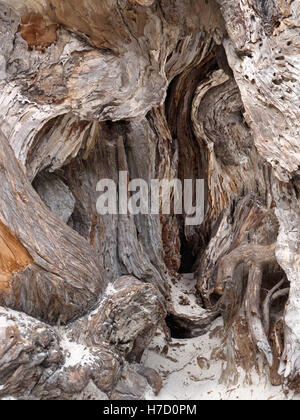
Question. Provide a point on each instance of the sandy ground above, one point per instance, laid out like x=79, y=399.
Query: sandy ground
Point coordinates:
x=191, y=368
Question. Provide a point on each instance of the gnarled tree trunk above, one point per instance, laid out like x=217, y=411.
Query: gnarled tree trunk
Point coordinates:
x=188, y=89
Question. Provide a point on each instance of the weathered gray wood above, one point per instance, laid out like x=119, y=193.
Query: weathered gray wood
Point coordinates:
x=42, y=362
x=60, y=278
x=190, y=89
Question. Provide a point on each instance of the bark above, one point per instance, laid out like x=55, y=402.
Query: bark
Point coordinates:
x=183, y=89
x=51, y=272
x=43, y=362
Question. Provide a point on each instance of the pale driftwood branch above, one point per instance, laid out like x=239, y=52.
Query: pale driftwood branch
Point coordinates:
x=266, y=306
x=252, y=304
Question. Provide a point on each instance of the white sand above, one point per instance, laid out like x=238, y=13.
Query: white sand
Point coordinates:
x=75, y=354
x=191, y=372
x=183, y=295
x=191, y=368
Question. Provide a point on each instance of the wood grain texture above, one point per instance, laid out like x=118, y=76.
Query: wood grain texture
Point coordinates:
x=61, y=275
x=162, y=89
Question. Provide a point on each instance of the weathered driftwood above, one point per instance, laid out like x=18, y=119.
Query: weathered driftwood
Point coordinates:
x=39, y=361
x=52, y=272
x=271, y=296
x=189, y=89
